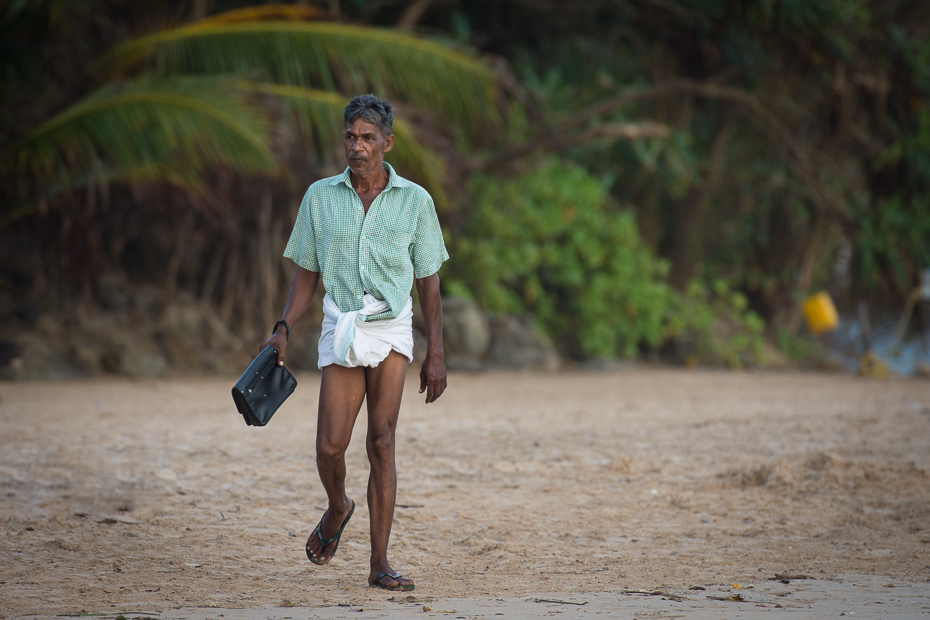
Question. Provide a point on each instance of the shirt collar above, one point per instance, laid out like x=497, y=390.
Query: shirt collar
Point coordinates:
x=394, y=180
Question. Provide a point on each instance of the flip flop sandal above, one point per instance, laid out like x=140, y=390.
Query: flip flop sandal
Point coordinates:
x=325, y=543
x=396, y=577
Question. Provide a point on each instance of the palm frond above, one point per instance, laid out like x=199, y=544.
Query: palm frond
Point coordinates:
x=143, y=125
x=267, y=12
x=320, y=114
x=184, y=178
x=419, y=162
x=331, y=56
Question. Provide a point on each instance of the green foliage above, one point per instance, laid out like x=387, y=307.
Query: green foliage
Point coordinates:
x=798, y=348
x=717, y=322
x=319, y=114
x=134, y=128
x=828, y=147
x=890, y=237
x=549, y=243
x=192, y=108
x=326, y=55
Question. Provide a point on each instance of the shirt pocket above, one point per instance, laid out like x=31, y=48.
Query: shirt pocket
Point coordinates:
x=392, y=245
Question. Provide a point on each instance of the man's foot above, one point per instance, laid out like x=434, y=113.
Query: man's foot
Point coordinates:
x=320, y=547
x=390, y=581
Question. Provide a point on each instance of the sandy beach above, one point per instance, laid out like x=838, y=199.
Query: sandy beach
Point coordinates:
x=153, y=496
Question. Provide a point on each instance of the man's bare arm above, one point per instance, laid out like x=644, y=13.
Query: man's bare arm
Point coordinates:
x=303, y=288
x=433, y=372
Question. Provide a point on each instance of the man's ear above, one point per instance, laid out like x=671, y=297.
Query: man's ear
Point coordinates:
x=389, y=143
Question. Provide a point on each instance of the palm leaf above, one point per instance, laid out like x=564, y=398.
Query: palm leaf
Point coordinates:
x=419, y=162
x=330, y=56
x=320, y=114
x=144, y=126
x=275, y=12
x=185, y=178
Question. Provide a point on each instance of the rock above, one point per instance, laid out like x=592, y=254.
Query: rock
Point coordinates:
x=455, y=361
x=192, y=337
x=465, y=328
x=111, y=291
x=135, y=357
x=466, y=335
x=88, y=356
x=13, y=370
x=43, y=361
x=48, y=326
x=419, y=348
x=303, y=349
x=181, y=351
x=516, y=342
x=148, y=300
x=9, y=351
x=11, y=361
x=922, y=370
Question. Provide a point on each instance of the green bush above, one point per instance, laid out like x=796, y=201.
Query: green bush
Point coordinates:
x=549, y=243
x=719, y=325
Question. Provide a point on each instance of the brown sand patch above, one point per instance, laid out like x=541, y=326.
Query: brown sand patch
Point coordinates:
x=154, y=494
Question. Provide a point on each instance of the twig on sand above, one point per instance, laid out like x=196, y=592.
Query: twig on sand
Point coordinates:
x=558, y=602
x=667, y=595
x=733, y=598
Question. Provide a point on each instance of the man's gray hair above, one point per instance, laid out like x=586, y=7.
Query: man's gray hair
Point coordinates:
x=370, y=109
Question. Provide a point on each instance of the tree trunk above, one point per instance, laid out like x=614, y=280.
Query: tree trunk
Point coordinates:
x=199, y=9
x=687, y=242
x=412, y=14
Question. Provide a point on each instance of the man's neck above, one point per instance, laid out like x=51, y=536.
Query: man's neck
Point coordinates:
x=376, y=179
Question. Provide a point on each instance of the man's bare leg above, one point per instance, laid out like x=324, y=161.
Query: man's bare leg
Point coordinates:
x=341, y=393
x=385, y=389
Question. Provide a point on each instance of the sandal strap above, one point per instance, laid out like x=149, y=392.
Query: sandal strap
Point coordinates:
x=395, y=577
x=337, y=535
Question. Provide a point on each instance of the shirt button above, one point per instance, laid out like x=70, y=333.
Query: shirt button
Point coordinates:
x=363, y=237
x=362, y=267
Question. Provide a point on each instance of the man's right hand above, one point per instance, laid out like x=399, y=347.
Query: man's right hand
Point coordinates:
x=278, y=340
x=303, y=287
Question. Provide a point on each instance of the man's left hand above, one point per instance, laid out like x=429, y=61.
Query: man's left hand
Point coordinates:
x=433, y=377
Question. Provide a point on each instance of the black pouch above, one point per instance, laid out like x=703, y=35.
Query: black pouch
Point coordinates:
x=262, y=388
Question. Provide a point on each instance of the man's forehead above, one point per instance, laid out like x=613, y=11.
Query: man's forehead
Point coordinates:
x=360, y=127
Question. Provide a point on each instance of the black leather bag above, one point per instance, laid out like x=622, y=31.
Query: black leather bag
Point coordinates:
x=262, y=388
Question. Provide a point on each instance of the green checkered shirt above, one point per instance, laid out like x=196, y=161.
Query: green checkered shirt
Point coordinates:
x=380, y=252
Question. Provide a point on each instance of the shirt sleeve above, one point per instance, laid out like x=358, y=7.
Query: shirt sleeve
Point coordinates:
x=301, y=247
x=427, y=250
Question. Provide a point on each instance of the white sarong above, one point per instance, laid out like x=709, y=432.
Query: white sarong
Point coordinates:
x=349, y=341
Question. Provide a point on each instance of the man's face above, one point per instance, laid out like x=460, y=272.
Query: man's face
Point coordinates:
x=365, y=146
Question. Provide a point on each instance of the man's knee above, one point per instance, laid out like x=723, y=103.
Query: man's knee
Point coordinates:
x=380, y=444
x=329, y=451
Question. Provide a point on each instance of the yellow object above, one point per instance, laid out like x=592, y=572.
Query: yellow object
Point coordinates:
x=820, y=313
x=871, y=365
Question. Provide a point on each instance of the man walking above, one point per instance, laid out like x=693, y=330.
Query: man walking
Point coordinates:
x=369, y=235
